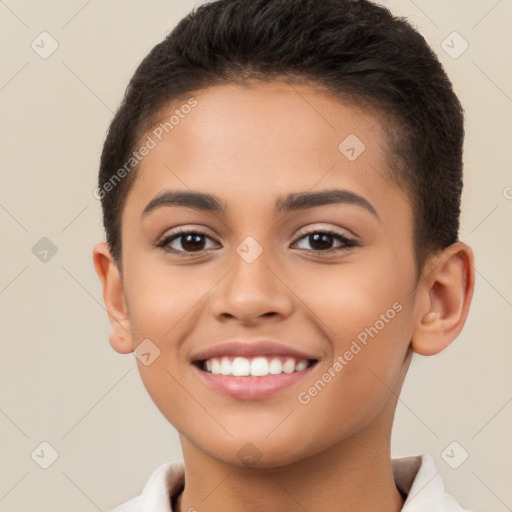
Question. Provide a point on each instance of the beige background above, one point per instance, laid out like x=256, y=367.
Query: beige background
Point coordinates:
x=60, y=380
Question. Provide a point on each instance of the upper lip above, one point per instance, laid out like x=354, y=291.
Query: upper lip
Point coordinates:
x=249, y=348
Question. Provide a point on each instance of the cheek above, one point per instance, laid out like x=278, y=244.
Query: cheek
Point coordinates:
x=165, y=305
x=162, y=296
x=366, y=316
x=359, y=381
x=351, y=297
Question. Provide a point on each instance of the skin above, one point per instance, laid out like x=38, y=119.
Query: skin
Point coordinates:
x=250, y=146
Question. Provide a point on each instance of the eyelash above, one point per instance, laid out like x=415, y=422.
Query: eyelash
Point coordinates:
x=347, y=242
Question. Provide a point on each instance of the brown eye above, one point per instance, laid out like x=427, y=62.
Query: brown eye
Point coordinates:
x=322, y=241
x=192, y=242
x=185, y=242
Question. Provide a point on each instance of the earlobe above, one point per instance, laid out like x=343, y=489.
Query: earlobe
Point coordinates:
x=114, y=298
x=447, y=292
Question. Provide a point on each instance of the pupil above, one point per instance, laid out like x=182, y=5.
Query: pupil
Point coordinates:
x=193, y=241
x=317, y=240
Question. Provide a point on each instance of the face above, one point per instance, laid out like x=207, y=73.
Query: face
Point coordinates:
x=299, y=268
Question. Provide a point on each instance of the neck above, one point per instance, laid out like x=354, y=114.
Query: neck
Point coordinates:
x=355, y=475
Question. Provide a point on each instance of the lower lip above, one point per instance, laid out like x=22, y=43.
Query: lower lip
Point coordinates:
x=252, y=388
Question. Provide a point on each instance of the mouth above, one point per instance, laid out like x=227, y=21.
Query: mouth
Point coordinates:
x=252, y=378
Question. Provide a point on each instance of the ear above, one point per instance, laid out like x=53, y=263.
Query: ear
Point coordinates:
x=446, y=291
x=113, y=296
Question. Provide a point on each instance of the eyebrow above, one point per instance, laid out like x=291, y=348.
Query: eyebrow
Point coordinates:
x=295, y=201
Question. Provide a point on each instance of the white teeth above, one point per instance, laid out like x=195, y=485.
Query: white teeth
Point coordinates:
x=301, y=365
x=215, y=366
x=225, y=366
x=275, y=366
x=259, y=366
x=240, y=367
x=289, y=366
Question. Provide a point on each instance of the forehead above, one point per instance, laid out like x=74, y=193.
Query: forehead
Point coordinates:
x=253, y=143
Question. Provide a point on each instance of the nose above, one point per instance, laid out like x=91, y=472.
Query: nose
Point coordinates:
x=251, y=293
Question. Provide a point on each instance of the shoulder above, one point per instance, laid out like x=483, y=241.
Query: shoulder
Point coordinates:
x=156, y=495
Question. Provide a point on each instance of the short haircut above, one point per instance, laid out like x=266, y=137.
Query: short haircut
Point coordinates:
x=356, y=50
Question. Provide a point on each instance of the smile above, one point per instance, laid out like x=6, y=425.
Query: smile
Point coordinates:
x=252, y=369
x=252, y=378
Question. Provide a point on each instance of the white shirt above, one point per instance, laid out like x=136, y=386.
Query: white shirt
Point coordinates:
x=417, y=477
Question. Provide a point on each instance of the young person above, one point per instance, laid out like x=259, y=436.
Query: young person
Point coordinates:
x=281, y=194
